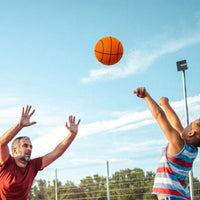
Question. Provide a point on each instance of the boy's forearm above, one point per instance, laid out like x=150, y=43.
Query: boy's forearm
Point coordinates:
x=155, y=109
x=172, y=117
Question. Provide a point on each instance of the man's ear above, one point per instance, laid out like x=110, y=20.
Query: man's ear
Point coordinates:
x=192, y=133
x=14, y=150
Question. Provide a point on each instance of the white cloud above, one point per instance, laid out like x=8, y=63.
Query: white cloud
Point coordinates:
x=93, y=161
x=126, y=121
x=51, y=131
x=139, y=60
x=113, y=124
x=147, y=145
x=130, y=120
x=87, y=161
x=49, y=140
x=135, y=125
x=9, y=114
x=8, y=100
x=193, y=108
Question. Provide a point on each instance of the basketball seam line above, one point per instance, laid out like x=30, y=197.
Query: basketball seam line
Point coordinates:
x=103, y=50
x=112, y=54
x=110, y=51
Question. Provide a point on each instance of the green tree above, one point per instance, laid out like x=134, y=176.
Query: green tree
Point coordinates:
x=149, y=179
x=50, y=193
x=128, y=184
x=71, y=191
x=38, y=190
x=196, y=187
x=94, y=187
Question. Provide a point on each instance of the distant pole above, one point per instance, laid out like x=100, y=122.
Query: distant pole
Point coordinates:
x=108, y=185
x=182, y=66
x=56, y=189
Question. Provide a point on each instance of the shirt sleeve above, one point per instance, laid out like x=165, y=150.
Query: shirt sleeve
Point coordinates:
x=9, y=161
x=37, y=163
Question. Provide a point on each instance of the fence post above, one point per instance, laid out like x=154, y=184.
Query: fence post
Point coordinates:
x=56, y=189
x=108, y=184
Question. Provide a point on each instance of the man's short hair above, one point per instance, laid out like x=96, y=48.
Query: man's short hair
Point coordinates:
x=16, y=141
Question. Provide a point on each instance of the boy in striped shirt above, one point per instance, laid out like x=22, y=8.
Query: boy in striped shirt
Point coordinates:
x=180, y=153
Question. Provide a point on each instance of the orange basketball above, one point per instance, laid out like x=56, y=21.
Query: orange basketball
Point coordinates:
x=108, y=50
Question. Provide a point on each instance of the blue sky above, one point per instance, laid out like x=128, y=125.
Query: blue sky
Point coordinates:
x=47, y=60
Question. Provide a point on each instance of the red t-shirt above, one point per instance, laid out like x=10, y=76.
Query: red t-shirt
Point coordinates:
x=15, y=182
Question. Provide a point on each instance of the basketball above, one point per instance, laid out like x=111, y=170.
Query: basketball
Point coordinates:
x=108, y=50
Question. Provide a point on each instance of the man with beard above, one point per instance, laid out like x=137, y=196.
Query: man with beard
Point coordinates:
x=18, y=171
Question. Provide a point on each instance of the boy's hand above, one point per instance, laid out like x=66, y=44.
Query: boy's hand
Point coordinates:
x=163, y=101
x=140, y=92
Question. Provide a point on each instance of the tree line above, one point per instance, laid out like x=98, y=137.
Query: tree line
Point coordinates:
x=128, y=184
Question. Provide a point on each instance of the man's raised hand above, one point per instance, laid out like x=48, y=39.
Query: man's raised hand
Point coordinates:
x=25, y=117
x=71, y=125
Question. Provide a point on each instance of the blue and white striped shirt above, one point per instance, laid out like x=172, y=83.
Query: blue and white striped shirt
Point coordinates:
x=172, y=172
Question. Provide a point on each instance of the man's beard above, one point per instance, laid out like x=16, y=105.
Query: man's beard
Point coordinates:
x=26, y=158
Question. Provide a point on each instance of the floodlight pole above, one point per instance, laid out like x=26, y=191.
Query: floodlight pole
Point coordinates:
x=182, y=66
